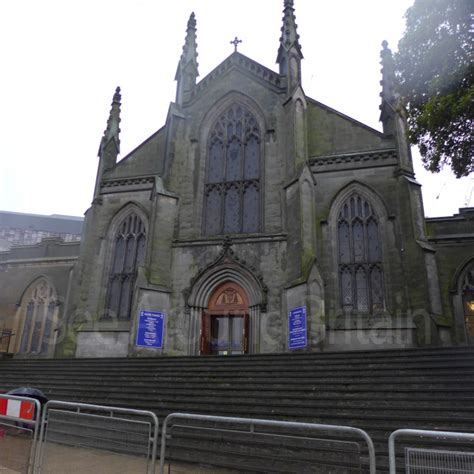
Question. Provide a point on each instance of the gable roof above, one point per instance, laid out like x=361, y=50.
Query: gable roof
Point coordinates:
x=145, y=159
x=331, y=132
x=246, y=65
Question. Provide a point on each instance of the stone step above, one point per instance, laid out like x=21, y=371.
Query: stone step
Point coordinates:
x=393, y=389
x=323, y=359
x=274, y=398
x=264, y=378
x=378, y=391
x=313, y=369
x=456, y=413
x=406, y=355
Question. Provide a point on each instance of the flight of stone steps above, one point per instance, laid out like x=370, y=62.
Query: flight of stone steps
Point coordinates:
x=377, y=391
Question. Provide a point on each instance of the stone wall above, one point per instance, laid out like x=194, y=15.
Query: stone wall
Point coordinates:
x=453, y=240
x=51, y=259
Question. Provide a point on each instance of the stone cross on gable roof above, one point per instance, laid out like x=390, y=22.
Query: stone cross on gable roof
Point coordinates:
x=235, y=42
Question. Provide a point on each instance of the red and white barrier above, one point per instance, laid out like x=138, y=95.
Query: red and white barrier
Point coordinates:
x=21, y=409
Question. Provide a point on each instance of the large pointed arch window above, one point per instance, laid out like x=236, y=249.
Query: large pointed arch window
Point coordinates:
x=359, y=257
x=232, y=189
x=128, y=255
x=39, y=313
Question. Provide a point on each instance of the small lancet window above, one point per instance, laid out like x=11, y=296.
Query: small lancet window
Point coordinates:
x=232, y=189
x=128, y=255
x=359, y=257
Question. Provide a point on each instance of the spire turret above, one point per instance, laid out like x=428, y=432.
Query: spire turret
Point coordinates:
x=187, y=70
x=388, y=74
x=111, y=133
x=109, y=147
x=389, y=95
x=392, y=111
x=289, y=53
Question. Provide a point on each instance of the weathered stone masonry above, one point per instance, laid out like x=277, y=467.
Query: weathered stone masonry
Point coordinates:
x=254, y=196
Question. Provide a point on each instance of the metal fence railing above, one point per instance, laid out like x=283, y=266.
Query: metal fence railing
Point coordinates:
x=293, y=434
x=433, y=460
x=114, y=440
x=95, y=438
x=19, y=427
x=437, y=461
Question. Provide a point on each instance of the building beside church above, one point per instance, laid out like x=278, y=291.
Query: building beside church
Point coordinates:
x=255, y=220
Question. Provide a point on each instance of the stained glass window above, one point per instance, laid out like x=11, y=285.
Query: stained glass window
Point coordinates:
x=128, y=255
x=232, y=190
x=344, y=245
x=359, y=257
x=346, y=289
x=251, y=204
x=40, y=308
x=232, y=209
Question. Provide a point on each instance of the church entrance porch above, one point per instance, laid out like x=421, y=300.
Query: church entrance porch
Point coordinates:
x=469, y=316
x=468, y=303
x=225, y=324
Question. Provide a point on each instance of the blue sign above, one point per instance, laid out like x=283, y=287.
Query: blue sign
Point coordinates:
x=297, y=334
x=150, y=329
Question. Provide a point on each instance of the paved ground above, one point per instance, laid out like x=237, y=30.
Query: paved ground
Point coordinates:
x=15, y=444
x=59, y=459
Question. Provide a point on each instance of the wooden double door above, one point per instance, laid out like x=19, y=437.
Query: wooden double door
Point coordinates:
x=468, y=303
x=468, y=300
x=225, y=324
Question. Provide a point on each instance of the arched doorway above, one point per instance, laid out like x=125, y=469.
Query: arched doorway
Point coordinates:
x=225, y=323
x=468, y=304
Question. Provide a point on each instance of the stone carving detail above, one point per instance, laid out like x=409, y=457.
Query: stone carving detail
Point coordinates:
x=128, y=182
x=227, y=257
x=229, y=297
x=352, y=158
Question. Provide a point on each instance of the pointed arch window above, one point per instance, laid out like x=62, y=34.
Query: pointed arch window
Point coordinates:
x=359, y=257
x=232, y=189
x=128, y=255
x=39, y=308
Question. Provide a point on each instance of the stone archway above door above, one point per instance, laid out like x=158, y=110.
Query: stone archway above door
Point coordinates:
x=226, y=268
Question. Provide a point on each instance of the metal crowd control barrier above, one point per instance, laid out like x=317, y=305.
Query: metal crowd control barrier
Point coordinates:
x=116, y=439
x=19, y=427
x=432, y=461
x=252, y=424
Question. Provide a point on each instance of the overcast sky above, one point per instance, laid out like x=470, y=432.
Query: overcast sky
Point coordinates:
x=62, y=59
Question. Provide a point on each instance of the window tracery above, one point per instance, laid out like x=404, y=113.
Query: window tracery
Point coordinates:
x=40, y=307
x=359, y=257
x=128, y=255
x=232, y=189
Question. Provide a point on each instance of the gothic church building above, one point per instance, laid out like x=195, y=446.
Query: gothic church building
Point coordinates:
x=256, y=220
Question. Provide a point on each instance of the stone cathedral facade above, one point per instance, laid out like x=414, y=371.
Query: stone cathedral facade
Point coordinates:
x=256, y=220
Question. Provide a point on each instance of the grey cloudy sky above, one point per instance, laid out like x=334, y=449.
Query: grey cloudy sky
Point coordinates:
x=62, y=59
